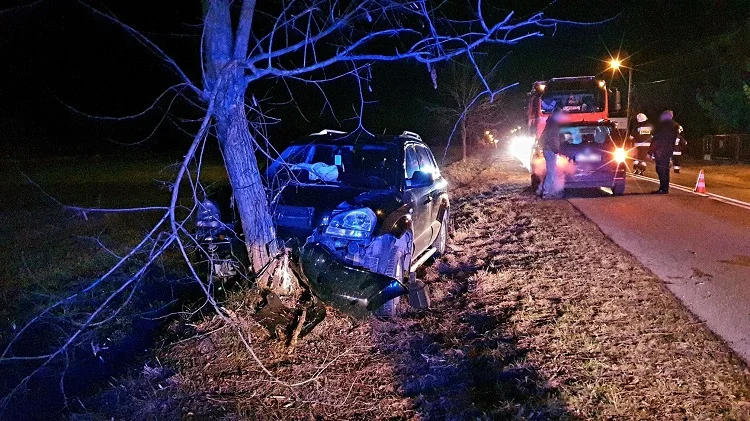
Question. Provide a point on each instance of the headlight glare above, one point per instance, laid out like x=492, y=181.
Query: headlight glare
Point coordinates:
x=357, y=223
x=620, y=155
x=208, y=215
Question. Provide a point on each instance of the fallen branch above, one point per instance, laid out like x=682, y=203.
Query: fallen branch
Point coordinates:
x=297, y=329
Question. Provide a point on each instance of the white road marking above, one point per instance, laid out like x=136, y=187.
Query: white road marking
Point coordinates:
x=717, y=197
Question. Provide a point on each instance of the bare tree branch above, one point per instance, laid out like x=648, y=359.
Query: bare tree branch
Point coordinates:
x=316, y=42
x=244, y=29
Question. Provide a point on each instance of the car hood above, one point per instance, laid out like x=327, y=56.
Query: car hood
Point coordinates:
x=329, y=197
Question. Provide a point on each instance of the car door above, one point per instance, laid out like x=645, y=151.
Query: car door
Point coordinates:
x=417, y=198
x=428, y=164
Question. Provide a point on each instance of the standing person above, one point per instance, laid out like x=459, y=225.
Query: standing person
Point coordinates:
x=679, y=144
x=641, y=142
x=550, y=140
x=662, y=146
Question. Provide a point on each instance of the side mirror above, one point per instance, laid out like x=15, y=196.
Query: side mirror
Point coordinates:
x=421, y=179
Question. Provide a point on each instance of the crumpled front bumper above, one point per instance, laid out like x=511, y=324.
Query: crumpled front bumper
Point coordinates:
x=353, y=290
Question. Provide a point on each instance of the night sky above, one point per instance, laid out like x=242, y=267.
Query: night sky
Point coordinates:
x=57, y=52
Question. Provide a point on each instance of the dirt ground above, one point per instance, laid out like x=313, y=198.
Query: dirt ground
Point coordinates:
x=535, y=315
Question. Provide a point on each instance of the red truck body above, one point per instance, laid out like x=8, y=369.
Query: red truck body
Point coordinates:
x=582, y=99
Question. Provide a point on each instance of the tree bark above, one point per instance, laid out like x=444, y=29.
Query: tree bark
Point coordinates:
x=238, y=147
x=224, y=77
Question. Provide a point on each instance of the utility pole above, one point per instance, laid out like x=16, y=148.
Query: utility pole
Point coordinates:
x=630, y=89
x=615, y=64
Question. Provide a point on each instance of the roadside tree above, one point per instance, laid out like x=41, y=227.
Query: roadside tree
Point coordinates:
x=243, y=45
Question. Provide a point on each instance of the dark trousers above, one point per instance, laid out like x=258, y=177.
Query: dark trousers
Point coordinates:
x=641, y=155
x=676, y=161
x=662, y=170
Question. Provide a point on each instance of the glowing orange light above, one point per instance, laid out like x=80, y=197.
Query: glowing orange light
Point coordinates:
x=620, y=155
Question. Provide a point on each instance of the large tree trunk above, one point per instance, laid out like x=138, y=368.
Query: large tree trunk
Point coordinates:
x=224, y=77
x=238, y=148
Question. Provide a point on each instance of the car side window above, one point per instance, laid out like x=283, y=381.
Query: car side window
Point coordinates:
x=427, y=161
x=412, y=162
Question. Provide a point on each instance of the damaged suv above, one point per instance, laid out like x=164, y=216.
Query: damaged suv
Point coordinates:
x=367, y=209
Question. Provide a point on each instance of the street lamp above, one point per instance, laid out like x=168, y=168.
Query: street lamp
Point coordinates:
x=615, y=64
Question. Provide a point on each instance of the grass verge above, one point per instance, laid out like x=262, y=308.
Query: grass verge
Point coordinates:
x=536, y=315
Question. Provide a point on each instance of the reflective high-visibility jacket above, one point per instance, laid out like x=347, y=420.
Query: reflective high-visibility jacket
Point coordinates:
x=642, y=141
x=679, y=143
x=642, y=135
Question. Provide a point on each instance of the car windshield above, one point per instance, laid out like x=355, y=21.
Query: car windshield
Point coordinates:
x=573, y=101
x=579, y=135
x=359, y=165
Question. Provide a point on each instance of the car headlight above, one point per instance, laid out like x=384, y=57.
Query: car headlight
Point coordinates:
x=357, y=223
x=208, y=215
x=620, y=155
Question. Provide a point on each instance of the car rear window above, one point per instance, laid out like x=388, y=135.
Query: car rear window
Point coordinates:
x=579, y=135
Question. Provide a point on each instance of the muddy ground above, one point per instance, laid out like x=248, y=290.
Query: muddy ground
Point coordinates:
x=535, y=315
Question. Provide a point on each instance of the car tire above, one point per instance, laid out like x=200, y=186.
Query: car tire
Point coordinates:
x=396, y=267
x=389, y=309
x=441, y=242
x=618, y=189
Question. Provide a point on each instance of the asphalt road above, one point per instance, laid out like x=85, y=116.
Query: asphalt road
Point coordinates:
x=723, y=179
x=698, y=246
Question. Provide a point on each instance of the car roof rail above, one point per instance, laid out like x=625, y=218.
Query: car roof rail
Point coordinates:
x=573, y=78
x=325, y=132
x=411, y=135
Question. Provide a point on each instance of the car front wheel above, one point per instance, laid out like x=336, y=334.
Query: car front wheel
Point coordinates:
x=389, y=308
x=397, y=267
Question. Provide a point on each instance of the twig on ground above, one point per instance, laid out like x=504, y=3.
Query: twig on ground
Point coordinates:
x=297, y=329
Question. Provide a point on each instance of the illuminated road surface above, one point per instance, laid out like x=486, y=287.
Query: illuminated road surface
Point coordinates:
x=698, y=246
x=726, y=180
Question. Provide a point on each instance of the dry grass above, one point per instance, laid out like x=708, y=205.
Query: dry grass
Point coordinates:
x=601, y=329
x=536, y=315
